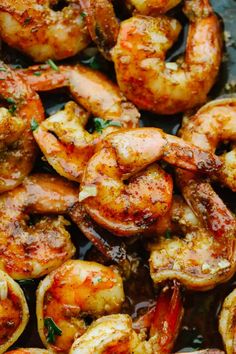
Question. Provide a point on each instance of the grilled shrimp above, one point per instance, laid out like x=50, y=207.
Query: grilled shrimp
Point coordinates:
x=152, y=7
x=167, y=88
x=14, y=311
x=212, y=124
x=72, y=296
x=114, y=333
x=29, y=351
x=123, y=191
x=36, y=29
x=227, y=323
x=31, y=251
x=197, y=260
x=17, y=145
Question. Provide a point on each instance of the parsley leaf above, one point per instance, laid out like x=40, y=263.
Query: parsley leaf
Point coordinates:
x=34, y=124
x=92, y=62
x=12, y=107
x=51, y=63
x=52, y=330
x=83, y=14
x=37, y=73
x=168, y=234
x=101, y=124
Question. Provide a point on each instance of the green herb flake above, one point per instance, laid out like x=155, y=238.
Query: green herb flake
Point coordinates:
x=34, y=124
x=168, y=234
x=101, y=124
x=51, y=63
x=3, y=69
x=83, y=14
x=12, y=107
x=92, y=62
x=37, y=73
x=27, y=21
x=52, y=330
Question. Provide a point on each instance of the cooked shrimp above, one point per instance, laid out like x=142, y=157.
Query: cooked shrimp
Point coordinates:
x=198, y=261
x=31, y=251
x=71, y=296
x=152, y=7
x=90, y=88
x=29, y=351
x=227, y=323
x=14, y=311
x=212, y=124
x=18, y=148
x=122, y=191
x=167, y=88
x=114, y=333
x=36, y=29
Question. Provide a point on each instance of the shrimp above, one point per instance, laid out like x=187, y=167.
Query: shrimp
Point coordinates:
x=153, y=7
x=31, y=251
x=198, y=261
x=63, y=138
x=29, y=351
x=227, y=323
x=17, y=145
x=167, y=88
x=37, y=30
x=14, y=313
x=114, y=333
x=123, y=190
x=72, y=296
x=212, y=124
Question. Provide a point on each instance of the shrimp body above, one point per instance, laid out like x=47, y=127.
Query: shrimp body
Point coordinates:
x=153, y=7
x=76, y=291
x=17, y=145
x=197, y=260
x=227, y=323
x=212, y=124
x=36, y=29
x=14, y=311
x=168, y=88
x=33, y=250
x=123, y=190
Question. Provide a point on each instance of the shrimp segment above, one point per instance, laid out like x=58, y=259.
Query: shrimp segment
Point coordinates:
x=31, y=251
x=18, y=148
x=114, y=333
x=198, y=260
x=133, y=207
x=36, y=29
x=212, y=124
x=14, y=311
x=168, y=88
x=76, y=292
x=227, y=323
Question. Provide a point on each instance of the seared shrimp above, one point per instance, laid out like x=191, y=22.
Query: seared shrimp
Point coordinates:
x=17, y=145
x=33, y=250
x=14, y=311
x=197, y=260
x=71, y=296
x=167, y=88
x=29, y=351
x=227, y=323
x=36, y=29
x=152, y=7
x=212, y=124
x=114, y=333
x=123, y=191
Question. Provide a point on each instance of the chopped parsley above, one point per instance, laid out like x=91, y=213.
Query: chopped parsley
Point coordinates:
x=37, y=73
x=3, y=69
x=83, y=14
x=51, y=63
x=168, y=234
x=12, y=105
x=34, y=124
x=52, y=330
x=101, y=124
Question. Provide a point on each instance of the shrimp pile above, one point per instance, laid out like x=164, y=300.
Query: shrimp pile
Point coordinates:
x=110, y=221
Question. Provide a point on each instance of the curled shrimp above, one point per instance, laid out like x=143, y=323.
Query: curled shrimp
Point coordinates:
x=123, y=191
x=167, y=88
x=36, y=29
x=17, y=145
x=197, y=260
x=29, y=351
x=14, y=311
x=212, y=124
x=73, y=295
x=227, y=323
x=63, y=138
x=33, y=250
x=116, y=334
x=153, y=7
